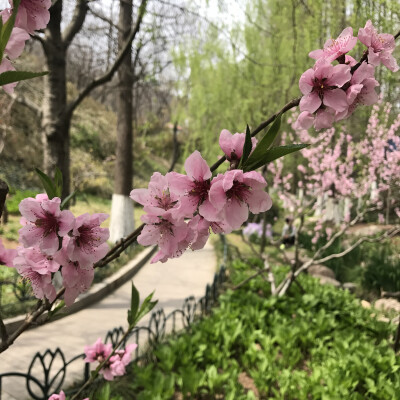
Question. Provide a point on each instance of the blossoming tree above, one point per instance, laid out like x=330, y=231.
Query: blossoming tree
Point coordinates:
x=181, y=209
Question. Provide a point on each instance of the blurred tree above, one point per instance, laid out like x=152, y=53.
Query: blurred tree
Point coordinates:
x=57, y=112
x=122, y=222
x=241, y=74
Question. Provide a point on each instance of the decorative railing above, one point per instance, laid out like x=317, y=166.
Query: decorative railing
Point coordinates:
x=47, y=371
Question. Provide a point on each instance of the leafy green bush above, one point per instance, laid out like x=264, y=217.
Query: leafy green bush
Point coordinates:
x=318, y=345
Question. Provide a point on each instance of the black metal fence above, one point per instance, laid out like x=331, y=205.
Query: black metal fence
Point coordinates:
x=47, y=371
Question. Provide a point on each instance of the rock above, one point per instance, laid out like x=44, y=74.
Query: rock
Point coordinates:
x=387, y=305
x=326, y=280
x=365, y=304
x=350, y=286
x=321, y=270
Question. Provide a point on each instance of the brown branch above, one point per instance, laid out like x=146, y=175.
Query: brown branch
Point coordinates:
x=110, y=73
x=78, y=18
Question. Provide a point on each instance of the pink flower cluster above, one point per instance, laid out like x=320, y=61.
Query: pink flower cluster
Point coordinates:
x=32, y=15
x=332, y=92
x=182, y=209
x=115, y=366
x=54, y=240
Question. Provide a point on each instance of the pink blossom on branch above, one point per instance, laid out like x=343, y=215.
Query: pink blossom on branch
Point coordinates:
x=192, y=189
x=361, y=90
x=321, y=85
x=87, y=243
x=35, y=266
x=380, y=46
x=76, y=280
x=158, y=199
x=172, y=236
x=334, y=48
x=44, y=223
x=233, y=194
x=232, y=144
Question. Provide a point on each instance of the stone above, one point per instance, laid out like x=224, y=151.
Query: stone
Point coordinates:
x=321, y=270
x=326, y=280
x=387, y=305
x=350, y=286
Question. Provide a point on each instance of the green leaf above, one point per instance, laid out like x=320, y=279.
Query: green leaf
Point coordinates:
x=58, y=182
x=65, y=202
x=105, y=392
x=266, y=142
x=47, y=184
x=273, y=154
x=16, y=76
x=145, y=308
x=134, y=305
x=247, y=147
x=56, y=309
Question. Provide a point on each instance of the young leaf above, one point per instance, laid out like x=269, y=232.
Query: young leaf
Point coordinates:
x=273, y=154
x=16, y=76
x=58, y=182
x=266, y=142
x=134, y=305
x=47, y=184
x=145, y=308
x=67, y=200
x=247, y=147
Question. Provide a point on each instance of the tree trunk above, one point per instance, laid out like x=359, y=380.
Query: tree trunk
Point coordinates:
x=55, y=124
x=122, y=222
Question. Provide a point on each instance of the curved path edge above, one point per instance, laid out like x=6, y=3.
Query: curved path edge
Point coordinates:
x=96, y=293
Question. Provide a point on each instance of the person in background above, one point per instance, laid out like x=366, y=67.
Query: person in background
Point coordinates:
x=288, y=232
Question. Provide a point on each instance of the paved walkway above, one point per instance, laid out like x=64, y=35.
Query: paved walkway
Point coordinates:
x=172, y=281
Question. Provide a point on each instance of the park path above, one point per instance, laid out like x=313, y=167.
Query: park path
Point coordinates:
x=172, y=281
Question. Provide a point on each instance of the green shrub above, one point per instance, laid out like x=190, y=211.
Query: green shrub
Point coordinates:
x=316, y=345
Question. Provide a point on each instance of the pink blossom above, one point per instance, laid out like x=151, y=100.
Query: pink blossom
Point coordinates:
x=60, y=396
x=16, y=43
x=75, y=279
x=380, y=46
x=361, y=90
x=44, y=223
x=121, y=359
x=4, y=67
x=97, y=352
x=232, y=144
x=172, y=236
x=6, y=255
x=157, y=199
x=192, y=188
x=233, y=194
x=37, y=268
x=334, y=48
x=201, y=232
x=32, y=14
x=87, y=244
x=321, y=84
